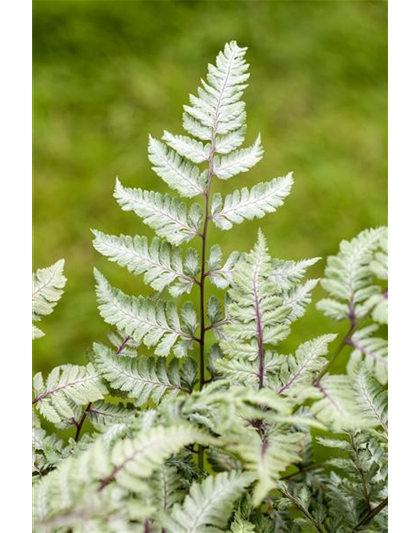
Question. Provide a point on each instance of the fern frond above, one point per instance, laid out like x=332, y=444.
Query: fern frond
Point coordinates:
x=218, y=110
x=298, y=298
x=194, y=150
x=348, y=276
x=372, y=398
x=256, y=309
x=143, y=379
x=135, y=459
x=154, y=323
x=221, y=274
x=167, y=215
x=67, y=387
x=103, y=414
x=239, y=525
x=337, y=406
x=373, y=351
x=287, y=273
x=167, y=486
x=299, y=370
x=47, y=289
x=267, y=456
x=248, y=204
x=209, y=503
x=180, y=174
x=161, y=263
x=242, y=160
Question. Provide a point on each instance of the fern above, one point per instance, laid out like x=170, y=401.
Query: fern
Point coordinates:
x=142, y=379
x=66, y=387
x=249, y=204
x=192, y=418
x=168, y=216
x=160, y=263
x=208, y=504
x=155, y=323
x=47, y=289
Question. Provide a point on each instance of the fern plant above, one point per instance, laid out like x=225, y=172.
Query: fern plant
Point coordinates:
x=198, y=421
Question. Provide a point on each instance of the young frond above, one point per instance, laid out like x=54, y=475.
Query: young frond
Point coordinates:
x=348, y=276
x=142, y=379
x=153, y=322
x=209, y=503
x=245, y=204
x=217, y=110
x=160, y=262
x=67, y=387
x=47, y=289
x=256, y=308
x=180, y=174
x=167, y=215
x=226, y=166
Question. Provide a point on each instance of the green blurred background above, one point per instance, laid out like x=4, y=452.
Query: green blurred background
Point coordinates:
x=108, y=73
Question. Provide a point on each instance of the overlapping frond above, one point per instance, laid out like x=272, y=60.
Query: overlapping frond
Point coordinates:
x=267, y=456
x=135, y=459
x=47, y=289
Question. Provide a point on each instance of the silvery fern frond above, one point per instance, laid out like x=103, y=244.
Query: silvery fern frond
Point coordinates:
x=348, y=278
x=299, y=370
x=142, y=378
x=372, y=397
x=266, y=456
x=218, y=109
x=161, y=263
x=209, y=503
x=372, y=350
x=136, y=459
x=167, y=215
x=47, y=289
x=152, y=322
x=248, y=204
x=67, y=387
x=226, y=166
x=178, y=173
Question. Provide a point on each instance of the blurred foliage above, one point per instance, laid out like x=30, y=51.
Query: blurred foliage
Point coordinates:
x=108, y=73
